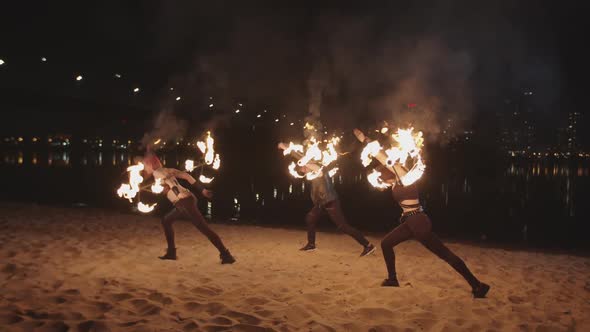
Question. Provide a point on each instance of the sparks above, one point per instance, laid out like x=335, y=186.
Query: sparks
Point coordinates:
x=79, y=78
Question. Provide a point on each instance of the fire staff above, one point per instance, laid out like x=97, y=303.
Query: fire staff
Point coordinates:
x=415, y=224
x=185, y=206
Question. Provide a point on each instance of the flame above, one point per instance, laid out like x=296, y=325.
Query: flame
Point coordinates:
x=189, y=165
x=157, y=186
x=216, y=162
x=375, y=180
x=313, y=157
x=130, y=190
x=210, y=158
x=145, y=208
x=293, y=147
x=293, y=171
x=369, y=152
x=205, y=179
x=406, y=144
x=333, y=172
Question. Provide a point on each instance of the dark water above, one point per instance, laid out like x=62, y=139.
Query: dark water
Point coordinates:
x=538, y=202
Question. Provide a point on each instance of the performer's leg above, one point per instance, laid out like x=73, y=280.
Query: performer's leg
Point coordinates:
x=167, y=222
x=311, y=220
x=398, y=235
x=190, y=206
x=335, y=212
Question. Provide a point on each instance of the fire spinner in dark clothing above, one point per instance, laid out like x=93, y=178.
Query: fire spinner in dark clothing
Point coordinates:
x=325, y=201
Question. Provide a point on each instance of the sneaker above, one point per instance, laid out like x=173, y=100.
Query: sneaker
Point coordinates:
x=390, y=283
x=308, y=247
x=480, y=291
x=227, y=258
x=369, y=249
x=170, y=254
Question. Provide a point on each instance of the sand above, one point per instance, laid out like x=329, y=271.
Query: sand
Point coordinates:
x=96, y=270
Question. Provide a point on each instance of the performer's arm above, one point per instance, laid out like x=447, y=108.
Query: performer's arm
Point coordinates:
x=398, y=170
x=194, y=183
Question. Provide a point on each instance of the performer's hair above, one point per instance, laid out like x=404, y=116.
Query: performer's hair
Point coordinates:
x=152, y=159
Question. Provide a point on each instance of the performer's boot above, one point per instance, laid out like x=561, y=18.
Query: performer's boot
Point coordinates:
x=481, y=290
x=308, y=247
x=170, y=254
x=369, y=249
x=390, y=282
x=226, y=257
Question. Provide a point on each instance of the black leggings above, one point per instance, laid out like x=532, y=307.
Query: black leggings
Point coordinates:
x=186, y=208
x=335, y=212
x=419, y=227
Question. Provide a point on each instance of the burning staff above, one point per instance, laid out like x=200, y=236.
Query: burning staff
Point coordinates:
x=312, y=163
x=210, y=158
x=414, y=223
x=185, y=206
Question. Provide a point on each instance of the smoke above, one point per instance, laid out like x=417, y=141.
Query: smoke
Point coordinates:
x=166, y=126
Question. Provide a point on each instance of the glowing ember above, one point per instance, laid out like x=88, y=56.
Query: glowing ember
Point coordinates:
x=145, y=208
x=2, y=62
x=158, y=141
x=178, y=98
x=79, y=78
x=136, y=90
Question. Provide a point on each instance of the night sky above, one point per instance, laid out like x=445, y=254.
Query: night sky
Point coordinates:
x=458, y=58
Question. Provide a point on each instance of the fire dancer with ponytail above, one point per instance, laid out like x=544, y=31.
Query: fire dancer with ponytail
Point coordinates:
x=185, y=206
x=415, y=224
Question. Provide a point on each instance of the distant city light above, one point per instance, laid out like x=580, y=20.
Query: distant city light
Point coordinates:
x=238, y=110
x=177, y=98
x=277, y=120
x=259, y=116
x=79, y=78
x=118, y=75
x=210, y=105
x=1, y=62
x=291, y=123
x=171, y=89
x=136, y=90
x=44, y=59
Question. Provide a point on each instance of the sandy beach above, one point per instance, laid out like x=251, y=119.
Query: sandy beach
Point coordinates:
x=97, y=270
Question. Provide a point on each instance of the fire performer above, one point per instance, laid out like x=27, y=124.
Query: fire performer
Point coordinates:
x=414, y=223
x=185, y=206
x=325, y=201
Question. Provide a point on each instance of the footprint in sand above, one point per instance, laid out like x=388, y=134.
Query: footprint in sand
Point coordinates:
x=256, y=301
x=53, y=327
x=207, y=291
x=220, y=320
x=161, y=298
x=214, y=308
x=120, y=297
x=93, y=326
x=193, y=306
x=249, y=328
x=192, y=326
x=145, y=308
x=9, y=319
x=243, y=318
